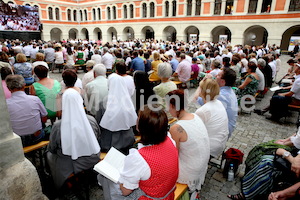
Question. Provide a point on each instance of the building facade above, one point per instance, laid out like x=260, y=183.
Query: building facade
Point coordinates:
x=240, y=21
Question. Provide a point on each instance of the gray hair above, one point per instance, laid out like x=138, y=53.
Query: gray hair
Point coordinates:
x=90, y=63
x=216, y=63
x=105, y=49
x=164, y=70
x=100, y=70
x=243, y=55
x=15, y=82
x=97, y=51
x=261, y=62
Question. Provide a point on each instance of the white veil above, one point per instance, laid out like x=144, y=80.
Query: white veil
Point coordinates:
x=120, y=113
x=77, y=136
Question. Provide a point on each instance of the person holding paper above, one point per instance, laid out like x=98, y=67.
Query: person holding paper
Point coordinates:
x=152, y=170
x=279, y=103
x=73, y=143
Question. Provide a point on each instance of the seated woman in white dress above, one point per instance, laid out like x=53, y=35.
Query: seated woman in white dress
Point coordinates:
x=192, y=142
x=153, y=168
x=73, y=143
x=214, y=116
x=119, y=117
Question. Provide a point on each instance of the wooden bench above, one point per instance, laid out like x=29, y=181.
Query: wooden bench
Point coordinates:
x=83, y=67
x=180, y=190
x=35, y=146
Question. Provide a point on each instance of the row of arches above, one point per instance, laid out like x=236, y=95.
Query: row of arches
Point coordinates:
x=148, y=9
x=253, y=35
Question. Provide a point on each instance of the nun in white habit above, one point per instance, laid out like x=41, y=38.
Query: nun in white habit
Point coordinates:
x=73, y=143
x=119, y=117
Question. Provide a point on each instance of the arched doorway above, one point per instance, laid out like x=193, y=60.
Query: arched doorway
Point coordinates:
x=112, y=34
x=85, y=34
x=97, y=34
x=221, y=34
x=148, y=32
x=73, y=33
x=55, y=34
x=291, y=33
x=192, y=33
x=170, y=33
x=128, y=33
x=255, y=35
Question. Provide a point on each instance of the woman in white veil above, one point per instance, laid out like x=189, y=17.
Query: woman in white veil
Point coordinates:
x=119, y=117
x=73, y=143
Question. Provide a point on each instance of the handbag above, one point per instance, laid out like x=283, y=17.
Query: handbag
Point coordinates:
x=284, y=177
x=232, y=156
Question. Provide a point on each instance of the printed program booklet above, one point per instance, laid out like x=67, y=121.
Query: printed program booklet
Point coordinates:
x=111, y=165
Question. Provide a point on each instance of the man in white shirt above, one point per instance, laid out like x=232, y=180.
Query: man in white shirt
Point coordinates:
x=107, y=59
x=273, y=67
x=97, y=90
x=96, y=57
x=27, y=49
x=33, y=51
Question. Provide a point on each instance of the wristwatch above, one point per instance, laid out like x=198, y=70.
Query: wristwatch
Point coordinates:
x=286, y=154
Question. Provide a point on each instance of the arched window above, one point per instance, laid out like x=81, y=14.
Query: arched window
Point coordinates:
x=189, y=7
x=198, y=7
x=152, y=9
x=81, y=15
x=75, y=15
x=229, y=7
x=108, y=13
x=125, y=11
x=50, y=13
x=99, y=13
x=294, y=5
x=218, y=4
x=167, y=5
x=94, y=14
x=174, y=6
x=69, y=15
x=56, y=13
x=252, y=6
x=144, y=10
x=114, y=12
x=131, y=11
x=85, y=15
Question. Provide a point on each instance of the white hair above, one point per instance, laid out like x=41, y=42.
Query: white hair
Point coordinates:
x=99, y=70
x=164, y=70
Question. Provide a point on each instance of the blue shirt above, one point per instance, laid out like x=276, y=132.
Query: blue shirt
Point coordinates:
x=138, y=64
x=229, y=101
x=174, y=63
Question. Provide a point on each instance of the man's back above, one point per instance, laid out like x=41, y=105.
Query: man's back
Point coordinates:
x=25, y=113
x=138, y=64
x=49, y=54
x=184, y=70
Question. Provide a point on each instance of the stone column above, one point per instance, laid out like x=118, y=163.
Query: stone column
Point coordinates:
x=287, y=5
x=235, y=2
x=170, y=9
x=259, y=5
x=193, y=11
x=19, y=179
x=212, y=7
x=246, y=6
x=148, y=10
x=223, y=6
x=274, y=2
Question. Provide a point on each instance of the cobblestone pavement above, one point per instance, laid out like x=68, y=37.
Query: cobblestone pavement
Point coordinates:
x=251, y=129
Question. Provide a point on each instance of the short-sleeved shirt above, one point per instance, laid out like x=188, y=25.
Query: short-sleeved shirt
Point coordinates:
x=184, y=71
x=138, y=64
x=25, y=113
x=296, y=87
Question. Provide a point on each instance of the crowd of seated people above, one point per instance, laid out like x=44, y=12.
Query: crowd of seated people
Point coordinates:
x=117, y=74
